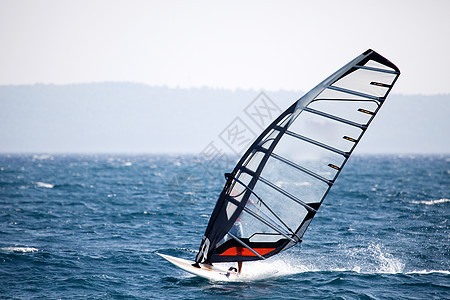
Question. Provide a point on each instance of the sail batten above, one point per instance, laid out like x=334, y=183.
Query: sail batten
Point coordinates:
x=336, y=88
x=298, y=167
x=346, y=154
x=377, y=70
x=280, y=182
x=342, y=120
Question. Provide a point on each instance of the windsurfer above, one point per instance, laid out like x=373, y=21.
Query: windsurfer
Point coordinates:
x=236, y=230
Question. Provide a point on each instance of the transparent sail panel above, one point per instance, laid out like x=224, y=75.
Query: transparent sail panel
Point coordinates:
x=274, y=213
x=251, y=225
x=308, y=156
x=374, y=64
x=265, y=237
x=267, y=140
x=303, y=186
x=367, y=81
x=238, y=189
x=357, y=111
x=289, y=211
x=325, y=130
x=254, y=161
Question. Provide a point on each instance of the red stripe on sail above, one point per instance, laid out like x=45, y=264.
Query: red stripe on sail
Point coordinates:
x=242, y=251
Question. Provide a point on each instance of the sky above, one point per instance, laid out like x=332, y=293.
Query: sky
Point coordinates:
x=271, y=45
x=204, y=51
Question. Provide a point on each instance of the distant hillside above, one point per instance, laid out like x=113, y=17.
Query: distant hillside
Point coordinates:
x=126, y=117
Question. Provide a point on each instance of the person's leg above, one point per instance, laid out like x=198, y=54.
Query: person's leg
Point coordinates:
x=239, y=267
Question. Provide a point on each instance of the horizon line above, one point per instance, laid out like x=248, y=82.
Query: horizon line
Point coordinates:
x=180, y=87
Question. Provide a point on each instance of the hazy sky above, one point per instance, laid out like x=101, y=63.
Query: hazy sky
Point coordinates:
x=230, y=44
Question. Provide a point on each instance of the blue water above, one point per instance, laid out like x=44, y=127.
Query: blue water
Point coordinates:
x=74, y=226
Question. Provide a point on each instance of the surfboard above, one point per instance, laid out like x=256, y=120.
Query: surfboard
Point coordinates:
x=205, y=271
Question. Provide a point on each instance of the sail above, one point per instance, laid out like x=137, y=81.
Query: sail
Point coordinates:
x=280, y=182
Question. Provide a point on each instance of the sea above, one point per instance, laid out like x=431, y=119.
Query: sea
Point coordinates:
x=76, y=226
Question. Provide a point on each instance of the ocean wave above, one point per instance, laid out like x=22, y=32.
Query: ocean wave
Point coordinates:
x=18, y=249
x=70, y=186
x=431, y=202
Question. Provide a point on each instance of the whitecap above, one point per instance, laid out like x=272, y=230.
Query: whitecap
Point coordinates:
x=431, y=202
x=18, y=249
x=44, y=185
x=356, y=269
x=429, y=272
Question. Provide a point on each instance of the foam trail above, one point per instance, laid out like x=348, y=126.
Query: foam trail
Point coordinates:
x=272, y=268
x=281, y=265
x=371, y=259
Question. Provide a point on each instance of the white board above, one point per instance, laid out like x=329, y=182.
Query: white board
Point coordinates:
x=206, y=271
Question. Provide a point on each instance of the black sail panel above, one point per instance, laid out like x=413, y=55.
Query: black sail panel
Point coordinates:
x=279, y=184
